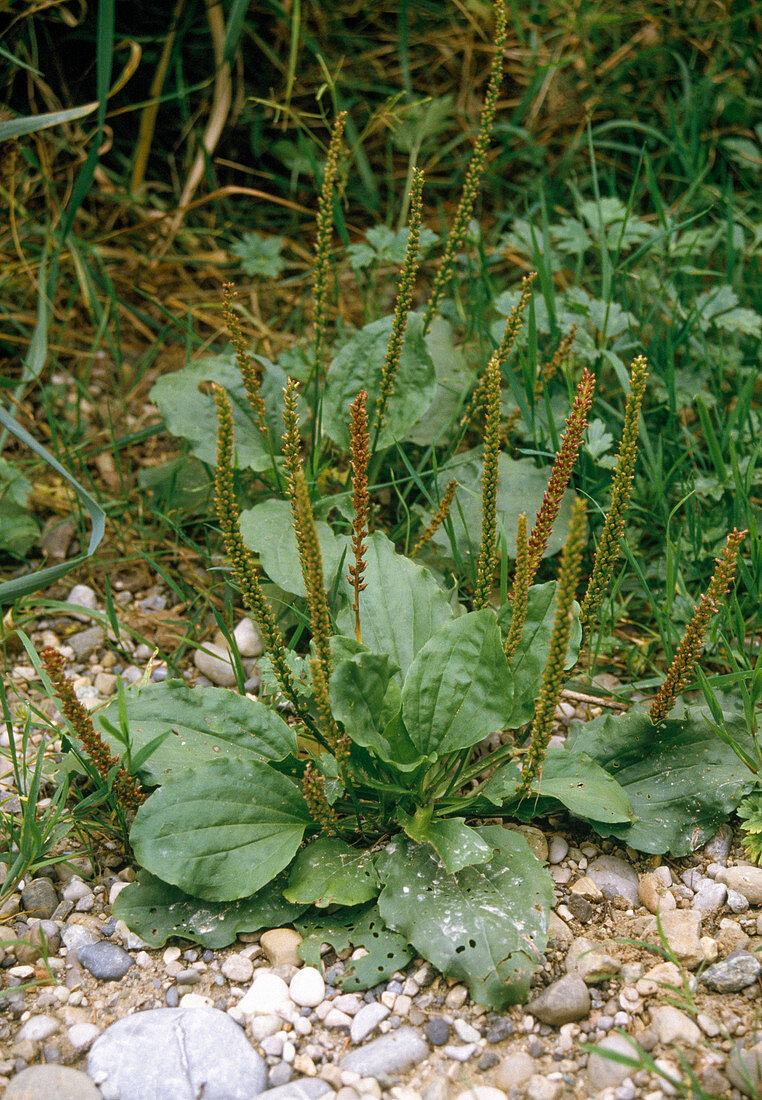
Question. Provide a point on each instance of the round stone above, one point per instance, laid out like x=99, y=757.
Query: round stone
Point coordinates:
x=265, y=996
x=307, y=988
x=248, y=639
x=60, y=1082
x=437, y=1031
x=39, y=898
x=106, y=961
x=280, y=945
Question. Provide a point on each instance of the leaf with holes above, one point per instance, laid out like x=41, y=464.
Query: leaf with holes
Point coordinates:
x=154, y=910
x=485, y=925
x=205, y=723
x=456, y=844
x=387, y=951
x=330, y=872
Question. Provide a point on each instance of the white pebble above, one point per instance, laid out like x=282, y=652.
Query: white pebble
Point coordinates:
x=82, y=1035
x=307, y=987
x=267, y=993
x=237, y=968
x=248, y=639
x=335, y=1018
x=465, y=1032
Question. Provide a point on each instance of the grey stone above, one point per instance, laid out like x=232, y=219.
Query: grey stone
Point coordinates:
x=392, y=1053
x=562, y=1002
x=460, y=1054
x=38, y=1028
x=106, y=961
x=367, y=1020
x=280, y=1075
x=437, y=1031
x=515, y=1070
x=614, y=878
x=744, y=1069
x=736, y=972
x=306, y=1088
x=83, y=596
x=744, y=878
x=499, y=1030
x=181, y=1053
x=85, y=642
x=39, y=898
x=603, y=1072
x=48, y=1081
x=673, y=1026
x=718, y=848
x=736, y=902
x=710, y=896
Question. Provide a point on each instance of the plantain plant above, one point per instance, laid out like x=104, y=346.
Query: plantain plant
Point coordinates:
x=365, y=795
x=375, y=815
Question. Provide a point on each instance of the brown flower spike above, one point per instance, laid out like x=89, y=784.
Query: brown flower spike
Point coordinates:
x=124, y=787
x=358, y=430
x=693, y=641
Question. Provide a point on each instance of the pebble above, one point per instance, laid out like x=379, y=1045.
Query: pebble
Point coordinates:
x=83, y=596
x=307, y=987
x=465, y=1032
x=437, y=1031
x=392, y=1053
x=591, y=961
x=176, y=1052
x=515, y=1070
x=745, y=879
x=460, y=1054
x=38, y=1028
x=615, y=878
x=280, y=946
x=213, y=661
x=266, y=994
x=307, y=1088
x=367, y=1020
x=673, y=1026
x=710, y=896
x=603, y=1072
x=81, y=1036
x=248, y=639
x=106, y=961
x=39, y=898
x=744, y=1068
x=562, y=1002
x=500, y=1030
x=47, y=1081
x=681, y=929
x=85, y=642
x=482, y=1092
x=739, y=970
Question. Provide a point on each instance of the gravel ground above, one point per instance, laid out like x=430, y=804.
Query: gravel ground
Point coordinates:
x=115, y=1019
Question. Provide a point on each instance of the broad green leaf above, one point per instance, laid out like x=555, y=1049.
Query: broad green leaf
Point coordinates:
x=190, y=414
x=260, y=255
x=528, y=664
x=682, y=780
x=365, y=696
x=455, y=843
x=520, y=488
x=401, y=607
x=580, y=784
x=485, y=925
x=221, y=830
x=155, y=911
x=206, y=724
x=458, y=688
x=267, y=529
x=387, y=951
x=453, y=376
x=358, y=366
x=330, y=872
